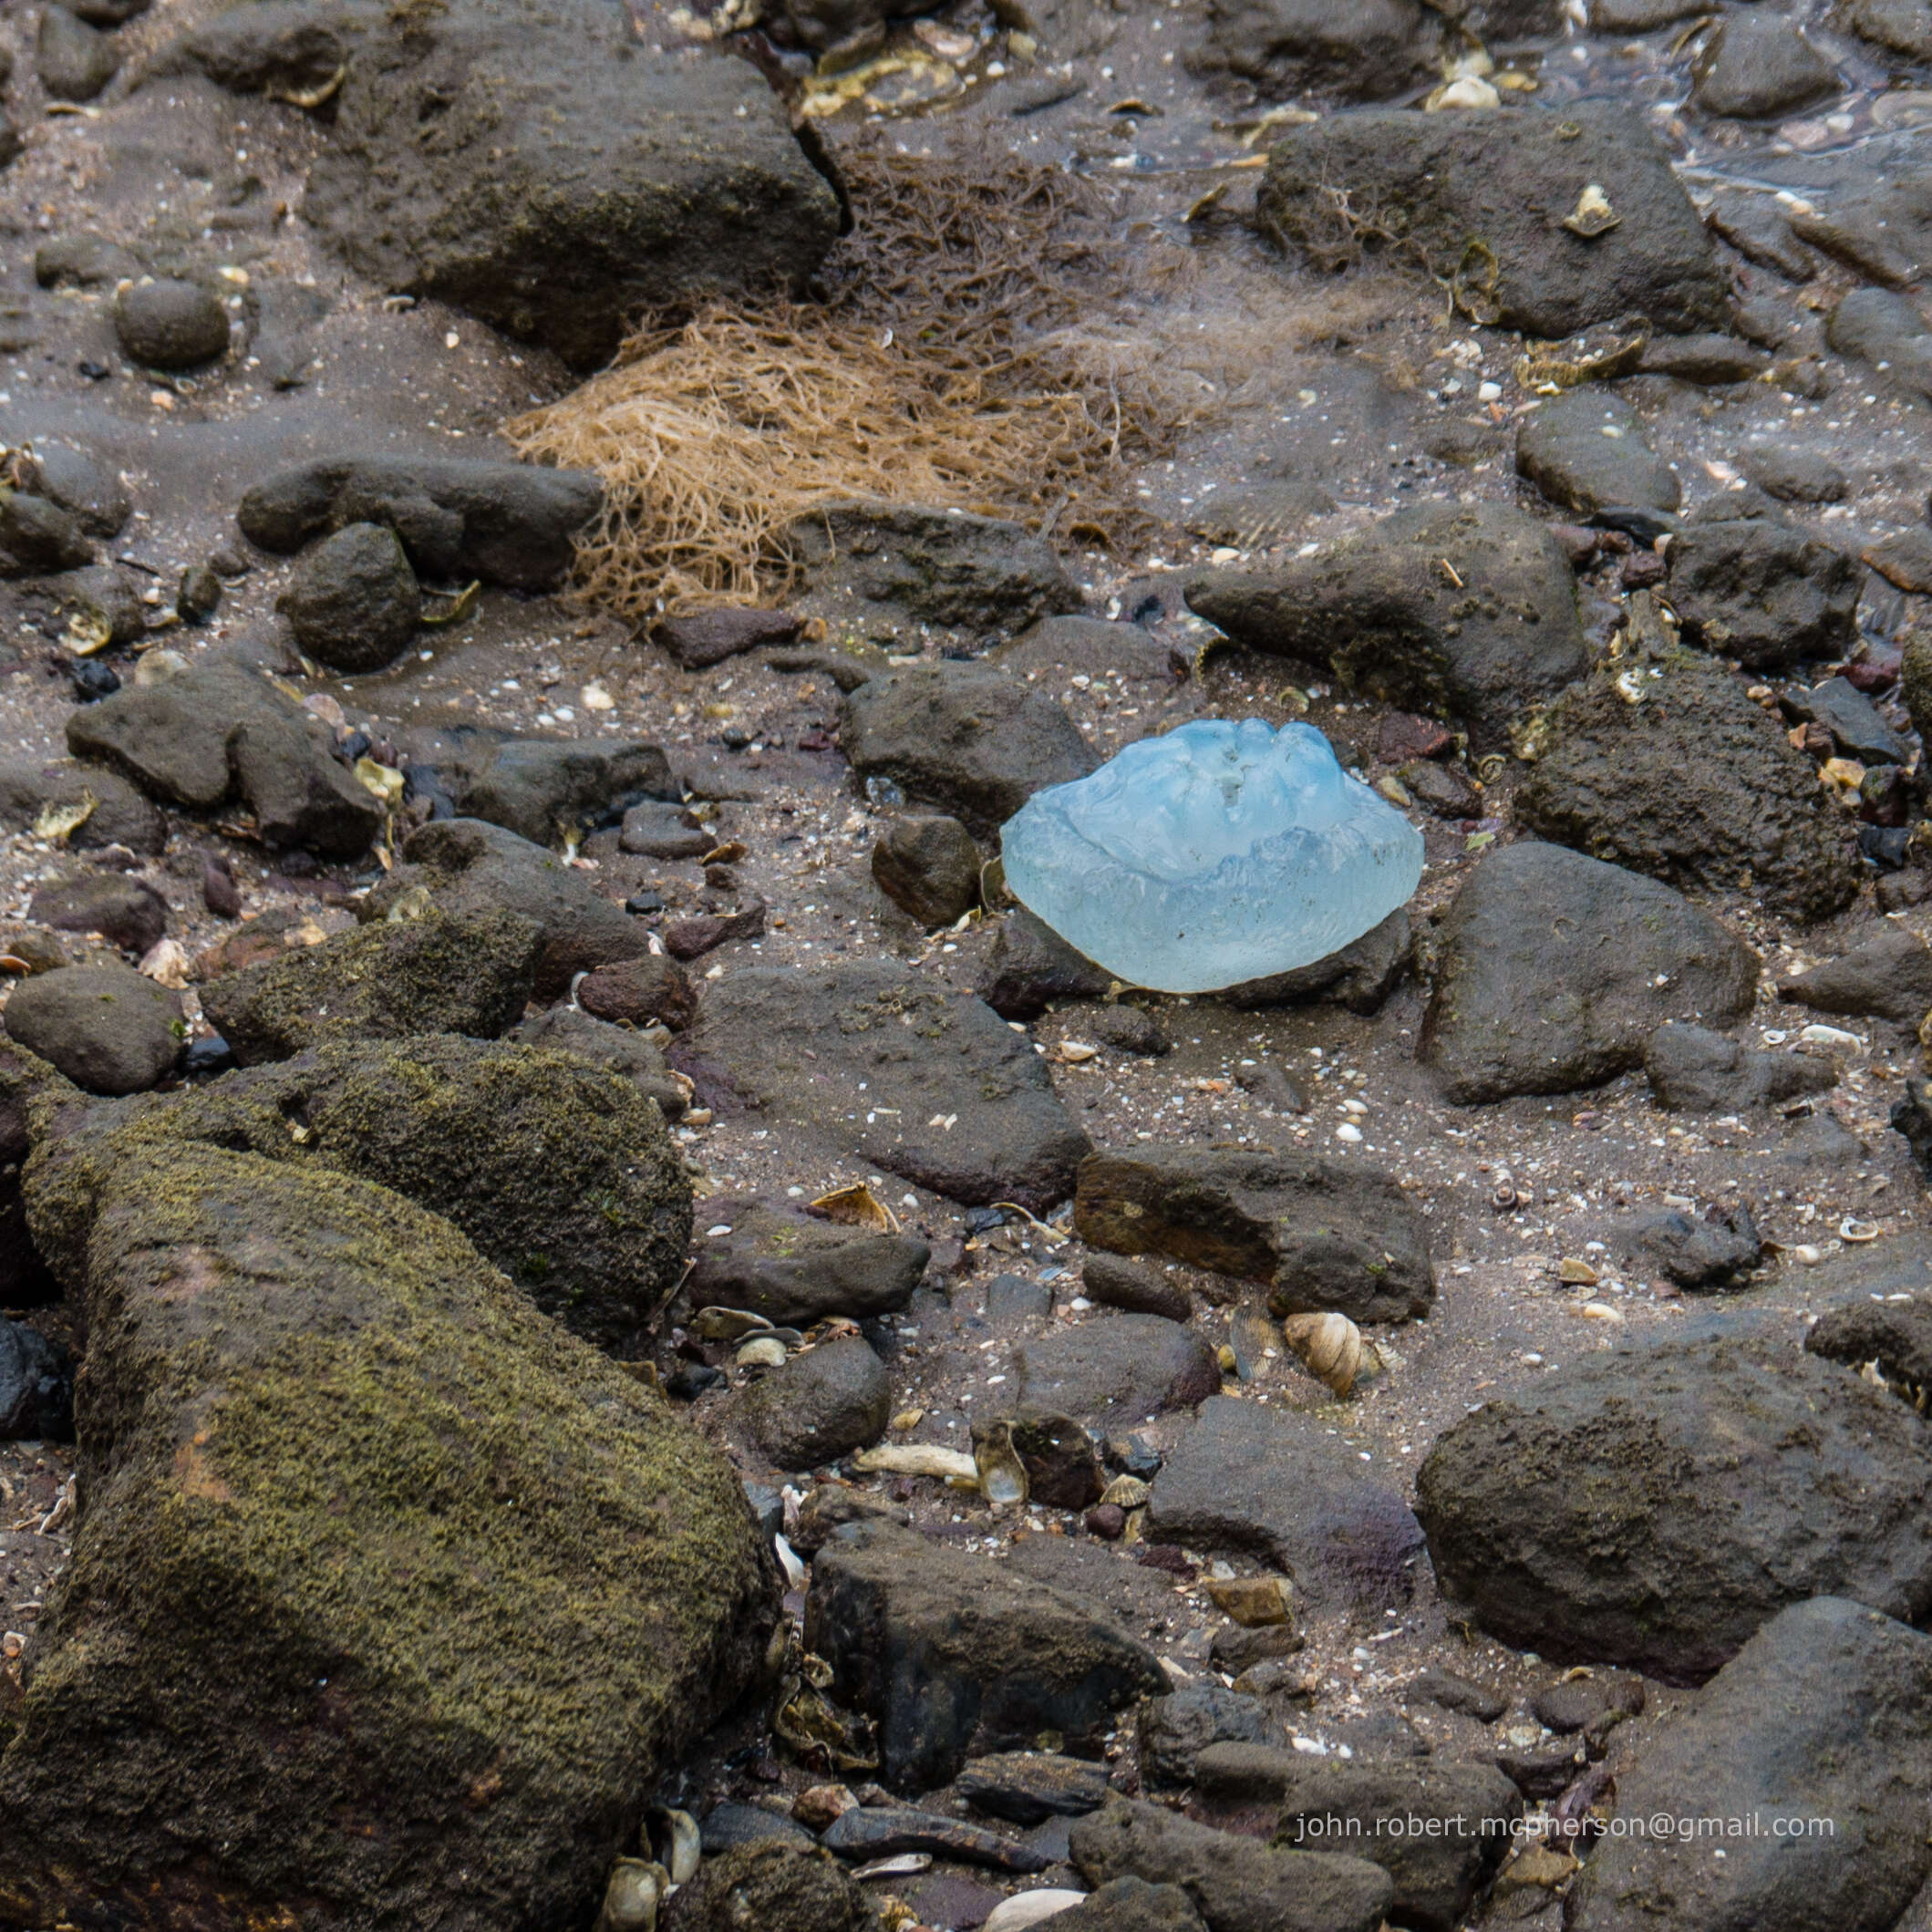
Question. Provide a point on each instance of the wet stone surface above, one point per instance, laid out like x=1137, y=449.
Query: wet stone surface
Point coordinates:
x=334, y=741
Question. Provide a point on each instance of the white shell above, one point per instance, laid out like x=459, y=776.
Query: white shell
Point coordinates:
x=1030, y=1909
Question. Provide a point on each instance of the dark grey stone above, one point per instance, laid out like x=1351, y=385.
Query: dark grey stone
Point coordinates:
x=1821, y=1715
x=1258, y=1481
x=1693, y=783
x=1377, y=610
x=1436, y=180
x=169, y=324
x=106, y=1028
x=938, y=566
x=1653, y=1505
x=352, y=601
x=953, y=1654
x=1567, y=998
x=873, y=1061
x=1585, y=450
x=821, y=1405
x=968, y=738
x=573, y=176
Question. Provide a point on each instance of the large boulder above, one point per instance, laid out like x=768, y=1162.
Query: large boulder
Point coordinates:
x=219, y=730
x=1257, y=1480
x=969, y=737
x=1551, y=970
x=458, y=517
x=1653, y=1505
x=440, y=973
x=332, y=1462
x=1321, y=1234
x=538, y=787
x=540, y=165
x=869, y=1059
x=1670, y=769
x=1747, y=585
x=1235, y=1883
x=563, y=1175
x=1807, y=1762
x=468, y=867
x=1370, y=51
x=952, y=1655
x=1468, y=611
x=1479, y=200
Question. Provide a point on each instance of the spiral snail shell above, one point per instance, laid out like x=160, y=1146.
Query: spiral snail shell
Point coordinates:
x=1330, y=1347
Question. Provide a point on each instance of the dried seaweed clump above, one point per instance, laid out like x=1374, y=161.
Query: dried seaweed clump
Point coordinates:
x=952, y=358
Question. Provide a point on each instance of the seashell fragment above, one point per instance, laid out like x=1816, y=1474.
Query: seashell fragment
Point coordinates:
x=636, y=1888
x=1126, y=1493
x=1330, y=1347
x=855, y=1206
x=1593, y=214
x=728, y=1325
x=919, y=1458
x=673, y=1834
x=1027, y=1909
x=762, y=1351
x=1002, y=1476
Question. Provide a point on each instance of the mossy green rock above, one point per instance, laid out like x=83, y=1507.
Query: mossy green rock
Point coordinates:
x=468, y=974
x=390, y=1601
x=563, y=1174
x=467, y=866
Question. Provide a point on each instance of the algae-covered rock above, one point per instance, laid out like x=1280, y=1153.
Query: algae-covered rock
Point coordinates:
x=468, y=866
x=563, y=1174
x=460, y=973
x=390, y=1602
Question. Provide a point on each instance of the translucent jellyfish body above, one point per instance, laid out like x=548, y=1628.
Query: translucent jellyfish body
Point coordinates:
x=1221, y=853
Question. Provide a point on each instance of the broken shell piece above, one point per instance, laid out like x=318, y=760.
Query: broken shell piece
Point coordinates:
x=855, y=1206
x=728, y=1325
x=1330, y=1347
x=1829, y=1036
x=158, y=667
x=1469, y=92
x=1126, y=1493
x=1593, y=214
x=762, y=1351
x=87, y=631
x=674, y=1836
x=901, y=1864
x=1025, y=1910
x=1002, y=1476
x=919, y=1458
x=1577, y=1274
x=414, y=903
x=1074, y=1051
x=166, y=963
x=631, y=1899
x=1857, y=1231
x=58, y=823
x=1600, y=1311
x=384, y=780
